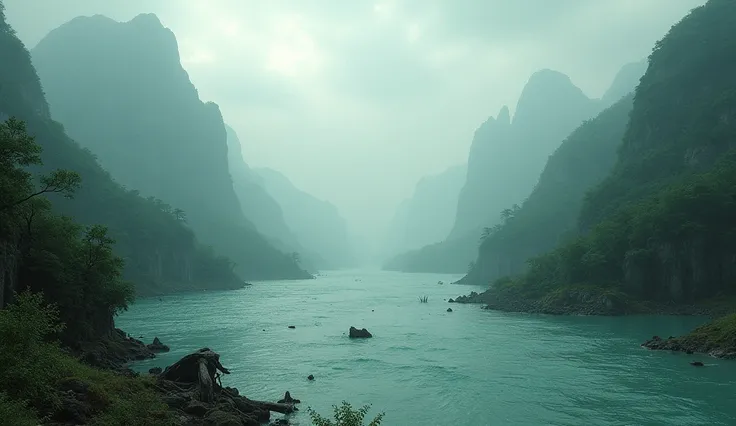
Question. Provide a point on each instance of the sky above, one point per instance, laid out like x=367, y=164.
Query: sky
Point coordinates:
x=356, y=100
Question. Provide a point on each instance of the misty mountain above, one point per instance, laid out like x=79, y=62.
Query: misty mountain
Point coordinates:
x=120, y=90
x=161, y=254
x=429, y=214
x=625, y=81
x=507, y=156
x=315, y=222
x=659, y=229
x=505, y=160
x=550, y=214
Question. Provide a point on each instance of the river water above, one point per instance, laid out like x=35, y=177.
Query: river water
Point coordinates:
x=425, y=366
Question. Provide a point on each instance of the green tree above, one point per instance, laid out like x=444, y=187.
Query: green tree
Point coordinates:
x=345, y=415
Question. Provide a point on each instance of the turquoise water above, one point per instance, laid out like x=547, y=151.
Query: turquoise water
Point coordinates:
x=426, y=366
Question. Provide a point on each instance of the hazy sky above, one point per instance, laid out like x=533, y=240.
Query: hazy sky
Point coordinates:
x=356, y=100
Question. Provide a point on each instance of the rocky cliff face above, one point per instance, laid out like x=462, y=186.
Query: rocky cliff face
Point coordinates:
x=120, y=90
x=549, y=215
x=507, y=156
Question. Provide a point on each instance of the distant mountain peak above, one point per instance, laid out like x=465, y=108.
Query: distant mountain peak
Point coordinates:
x=625, y=81
x=545, y=91
x=150, y=20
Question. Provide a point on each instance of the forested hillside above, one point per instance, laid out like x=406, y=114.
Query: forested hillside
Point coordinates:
x=660, y=228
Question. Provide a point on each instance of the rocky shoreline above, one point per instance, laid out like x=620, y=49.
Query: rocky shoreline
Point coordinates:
x=191, y=388
x=586, y=302
x=716, y=338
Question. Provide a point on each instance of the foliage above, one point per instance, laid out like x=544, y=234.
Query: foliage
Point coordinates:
x=34, y=368
x=689, y=222
x=719, y=333
x=74, y=268
x=423, y=299
x=661, y=226
x=683, y=111
x=345, y=415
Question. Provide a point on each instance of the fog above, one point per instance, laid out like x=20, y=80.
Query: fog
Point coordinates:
x=356, y=101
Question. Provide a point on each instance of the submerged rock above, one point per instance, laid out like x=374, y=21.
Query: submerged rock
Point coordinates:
x=696, y=364
x=292, y=326
x=359, y=334
x=310, y=377
x=157, y=346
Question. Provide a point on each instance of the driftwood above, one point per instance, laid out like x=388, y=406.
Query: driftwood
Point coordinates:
x=194, y=379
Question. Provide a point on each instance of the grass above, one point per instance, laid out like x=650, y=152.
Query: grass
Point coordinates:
x=717, y=334
x=35, y=370
x=423, y=299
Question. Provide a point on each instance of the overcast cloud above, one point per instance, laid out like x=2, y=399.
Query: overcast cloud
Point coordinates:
x=356, y=100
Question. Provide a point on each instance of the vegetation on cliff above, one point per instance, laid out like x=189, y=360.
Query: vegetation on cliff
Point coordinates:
x=549, y=215
x=660, y=228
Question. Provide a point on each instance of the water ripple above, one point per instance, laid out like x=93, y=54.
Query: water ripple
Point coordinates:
x=428, y=367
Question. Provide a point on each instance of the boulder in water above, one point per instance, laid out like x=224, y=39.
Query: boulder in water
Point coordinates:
x=157, y=346
x=359, y=334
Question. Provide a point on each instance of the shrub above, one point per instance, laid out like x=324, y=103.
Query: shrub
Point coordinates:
x=345, y=415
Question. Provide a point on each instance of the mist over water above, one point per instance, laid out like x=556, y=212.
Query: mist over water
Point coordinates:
x=426, y=366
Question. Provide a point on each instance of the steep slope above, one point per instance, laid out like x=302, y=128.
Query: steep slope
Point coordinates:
x=317, y=223
x=625, y=81
x=262, y=209
x=504, y=163
x=428, y=215
x=550, y=213
x=120, y=90
x=161, y=254
x=659, y=230
x=506, y=157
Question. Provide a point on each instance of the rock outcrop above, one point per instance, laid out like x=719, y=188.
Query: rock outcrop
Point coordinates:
x=359, y=334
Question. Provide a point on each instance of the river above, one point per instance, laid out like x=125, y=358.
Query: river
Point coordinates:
x=425, y=366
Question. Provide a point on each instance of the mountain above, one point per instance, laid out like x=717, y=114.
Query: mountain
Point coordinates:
x=161, y=253
x=504, y=163
x=315, y=222
x=428, y=215
x=550, y=213
x=120, y=90
x=657, y=234
x=506, y=157
x=625, y=81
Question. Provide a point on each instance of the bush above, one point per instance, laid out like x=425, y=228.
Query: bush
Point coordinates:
x=345, y=415
x=34, y=368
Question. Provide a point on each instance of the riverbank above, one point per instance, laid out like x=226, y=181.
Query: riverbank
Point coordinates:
x=716, y=338
x=590, y=300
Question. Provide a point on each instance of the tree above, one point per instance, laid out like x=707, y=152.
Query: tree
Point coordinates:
x=345, y=415
x=17, y=151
